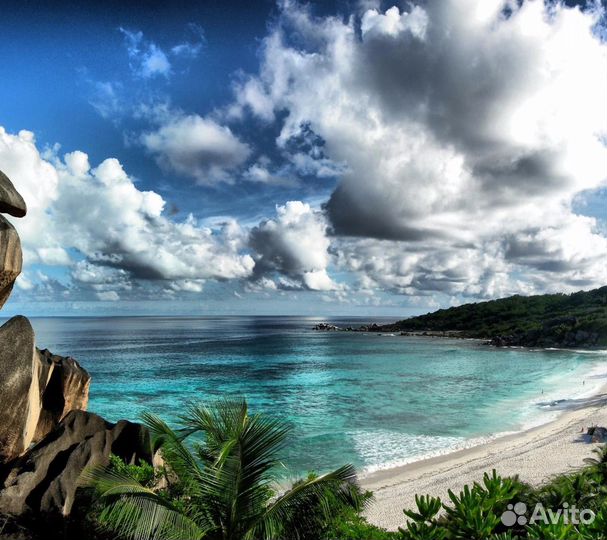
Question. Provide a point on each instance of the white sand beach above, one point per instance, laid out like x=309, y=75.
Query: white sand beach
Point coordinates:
x=535, y=455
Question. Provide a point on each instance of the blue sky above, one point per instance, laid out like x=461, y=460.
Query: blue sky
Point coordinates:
x=324, y=158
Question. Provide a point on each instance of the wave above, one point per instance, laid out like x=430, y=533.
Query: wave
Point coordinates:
x=374, y=446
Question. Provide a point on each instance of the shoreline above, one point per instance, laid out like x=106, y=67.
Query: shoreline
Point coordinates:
x=534, y=454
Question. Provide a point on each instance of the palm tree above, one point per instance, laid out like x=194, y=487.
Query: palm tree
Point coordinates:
x=222, y=486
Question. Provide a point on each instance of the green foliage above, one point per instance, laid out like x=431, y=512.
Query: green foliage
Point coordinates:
x=472, y=514
x=475, y=513
x=348, y=524
x=222, y=485
x=332, y=516
x=543, y=320
x=143, y=472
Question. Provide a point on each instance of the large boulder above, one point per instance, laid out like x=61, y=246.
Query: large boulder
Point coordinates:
x=10, y=259
x=64, y=387
x=37, y=388
x=19, y=398
x=46, y=478
x=10, y=201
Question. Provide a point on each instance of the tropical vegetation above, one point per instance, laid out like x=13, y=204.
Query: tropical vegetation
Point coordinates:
x=220, y=480
x=578, y=319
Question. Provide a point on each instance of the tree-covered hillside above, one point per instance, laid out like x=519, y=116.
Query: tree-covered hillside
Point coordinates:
x=549, y=320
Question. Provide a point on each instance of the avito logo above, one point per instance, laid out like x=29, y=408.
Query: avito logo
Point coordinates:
x=517, y=514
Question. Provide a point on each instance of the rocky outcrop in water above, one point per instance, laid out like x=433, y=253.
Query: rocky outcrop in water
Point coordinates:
x=37, y=388
x=325, y=327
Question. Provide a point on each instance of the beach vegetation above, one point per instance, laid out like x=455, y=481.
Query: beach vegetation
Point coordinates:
x=221, y=480
x=572, y=507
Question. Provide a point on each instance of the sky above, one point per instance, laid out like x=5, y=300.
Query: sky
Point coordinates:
x=326, y=158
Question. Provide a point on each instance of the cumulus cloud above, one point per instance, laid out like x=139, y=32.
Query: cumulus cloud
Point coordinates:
x=464, y=131
x=197, y=147
x=461, y=133
x=295, y=244
x=122, y=232
x=108, y=296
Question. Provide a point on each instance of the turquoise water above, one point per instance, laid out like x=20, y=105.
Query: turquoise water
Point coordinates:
x=371, y=400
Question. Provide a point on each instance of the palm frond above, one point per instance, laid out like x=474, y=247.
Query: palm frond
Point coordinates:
x=137, y=512
x=145, y=518
x=338, y=483
x=174, y=450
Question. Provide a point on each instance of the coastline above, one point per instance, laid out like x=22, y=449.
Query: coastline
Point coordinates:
x=534, y=454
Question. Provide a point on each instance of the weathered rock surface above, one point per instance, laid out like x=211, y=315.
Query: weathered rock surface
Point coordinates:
x=37, y=388
x=10, y=201
x=64, y=387
x=19, y=398
x=46, y=478
x=10, y=259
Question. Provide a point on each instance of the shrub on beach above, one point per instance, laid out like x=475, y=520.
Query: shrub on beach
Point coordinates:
x=476, y=512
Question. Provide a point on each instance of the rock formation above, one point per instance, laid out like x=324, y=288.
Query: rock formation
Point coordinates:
x=63, y=386
x=37, y=388
x=10, y=247
x=43, y=398
x=10, y=258
x=10, y=201
x=46, y=478
x=19, y=396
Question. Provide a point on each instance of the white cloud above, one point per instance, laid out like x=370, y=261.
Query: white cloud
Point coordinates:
x=108, y=296
x=148, y=60
x=106, y=98
x=393, y=22
x=197, y=147
x=294, y=244
x=188, y=285
x=192, y=47
x=464, y=128
x=55, y=256
x=261, y=173
x=121, y=231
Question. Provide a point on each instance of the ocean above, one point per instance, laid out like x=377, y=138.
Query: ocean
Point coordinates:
x=374, y=401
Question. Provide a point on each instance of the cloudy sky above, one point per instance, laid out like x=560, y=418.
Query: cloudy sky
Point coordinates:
x=342, y=157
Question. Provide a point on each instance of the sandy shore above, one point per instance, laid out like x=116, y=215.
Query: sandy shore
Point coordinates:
x=534, y=455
